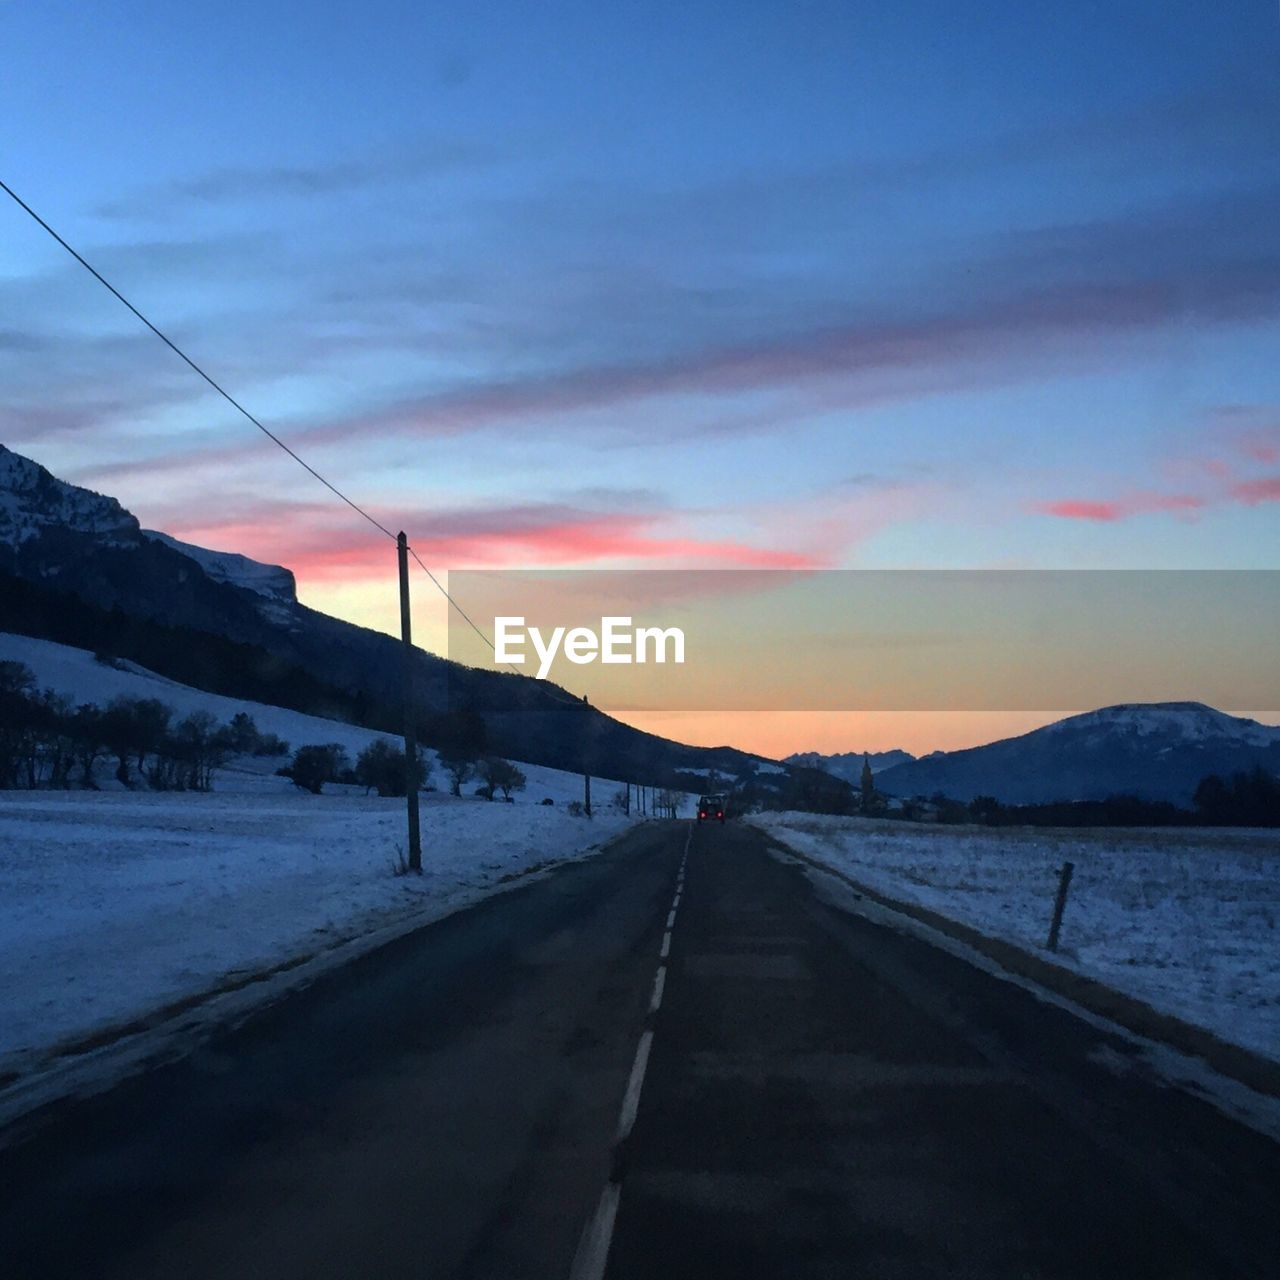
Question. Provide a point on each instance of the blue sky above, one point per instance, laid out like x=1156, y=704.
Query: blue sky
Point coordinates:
x=657, y=284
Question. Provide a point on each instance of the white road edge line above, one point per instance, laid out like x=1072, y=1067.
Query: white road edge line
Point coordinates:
x=659, y=985
x=675, y=902
x=631, y=1100
x=593, y=1249
x=671, y=918
x=666, y=946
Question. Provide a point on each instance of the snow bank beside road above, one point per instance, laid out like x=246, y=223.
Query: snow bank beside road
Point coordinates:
x=1186, y=920
x=115, y=904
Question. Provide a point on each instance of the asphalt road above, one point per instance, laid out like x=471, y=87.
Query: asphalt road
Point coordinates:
x=800, y=1093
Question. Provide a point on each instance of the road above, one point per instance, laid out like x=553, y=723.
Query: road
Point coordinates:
x=515, y=1092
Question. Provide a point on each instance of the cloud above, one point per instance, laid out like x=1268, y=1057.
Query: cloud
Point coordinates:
x=1253, y=493
x=1249, y=493
x=1232, y=441
x=316, y=543
x=423, y=159
x=1109, y=512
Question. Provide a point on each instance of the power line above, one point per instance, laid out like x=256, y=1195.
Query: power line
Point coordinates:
x=440, y=587
x=552, y=690
x=173, y=346
x=235, y=404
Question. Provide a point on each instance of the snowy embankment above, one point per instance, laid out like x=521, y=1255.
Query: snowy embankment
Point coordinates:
x=1183, y=920
x=116, y=904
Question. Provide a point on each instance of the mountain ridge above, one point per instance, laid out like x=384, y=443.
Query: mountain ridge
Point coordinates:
x=70, y=544
x=848, y=764
x=1155, y=751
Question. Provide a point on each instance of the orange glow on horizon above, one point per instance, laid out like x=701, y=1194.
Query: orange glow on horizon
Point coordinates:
x=776, y=734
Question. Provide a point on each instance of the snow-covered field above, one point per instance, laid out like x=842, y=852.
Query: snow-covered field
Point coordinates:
x=116, y=903
x=1186, y=920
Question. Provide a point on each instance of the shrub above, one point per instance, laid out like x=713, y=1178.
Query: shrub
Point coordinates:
x=315, y=765
x=381, y=768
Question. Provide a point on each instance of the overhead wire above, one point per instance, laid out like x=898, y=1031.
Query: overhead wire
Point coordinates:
x=182, y=355
x=235, y=404
x=553, y=690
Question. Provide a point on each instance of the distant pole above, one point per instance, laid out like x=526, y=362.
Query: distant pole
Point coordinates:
x=586, y=763
x=410, y=729
x=1060, y=903
x=627, y=802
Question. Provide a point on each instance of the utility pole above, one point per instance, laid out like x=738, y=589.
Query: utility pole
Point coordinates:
x=586, y=765
x=410, y=729
x=627, y=802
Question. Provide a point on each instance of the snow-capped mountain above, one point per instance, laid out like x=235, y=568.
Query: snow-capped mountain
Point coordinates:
x=1169, y=723
x=52, y=529
x=32, y=502
x=848, y=764
x=270, y=580
x=75, y=567
x=1158, y=751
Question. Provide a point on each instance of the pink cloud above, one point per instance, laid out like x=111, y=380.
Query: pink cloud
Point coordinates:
x=1073, y=509
x=1253, y=493
x=499, y=537
x=1262, y=446
x=1108, y=512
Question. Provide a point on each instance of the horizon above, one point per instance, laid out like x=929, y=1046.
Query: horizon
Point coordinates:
x=807, y=290
x=777, y=734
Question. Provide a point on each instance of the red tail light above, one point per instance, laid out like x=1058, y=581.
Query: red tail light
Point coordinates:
x=719, y=815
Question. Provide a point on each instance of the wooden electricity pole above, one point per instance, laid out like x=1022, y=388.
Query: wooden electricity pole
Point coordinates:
x=410, y=729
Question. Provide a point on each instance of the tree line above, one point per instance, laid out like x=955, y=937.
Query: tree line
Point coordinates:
x=380, y=767
x=1249, y=798
x=47, y=741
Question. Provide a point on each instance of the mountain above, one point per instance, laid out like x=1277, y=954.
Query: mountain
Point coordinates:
x=77, y=568
x=848, y=764
x=268, y=580
x=1157, y=751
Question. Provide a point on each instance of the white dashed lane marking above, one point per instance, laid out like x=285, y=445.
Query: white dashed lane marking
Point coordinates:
x=659, y=983
x=631, y=1102
x=593, y=1248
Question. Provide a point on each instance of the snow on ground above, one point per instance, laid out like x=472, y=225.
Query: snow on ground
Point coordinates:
x=115, y=903
x=1186, y=920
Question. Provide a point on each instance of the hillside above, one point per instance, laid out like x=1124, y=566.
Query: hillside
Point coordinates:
x=1156, y=751
x=93, y=577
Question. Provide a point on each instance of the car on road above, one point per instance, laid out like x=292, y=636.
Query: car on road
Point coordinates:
x=714, y=806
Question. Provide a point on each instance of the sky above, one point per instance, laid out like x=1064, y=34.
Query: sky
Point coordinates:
x=657, y=286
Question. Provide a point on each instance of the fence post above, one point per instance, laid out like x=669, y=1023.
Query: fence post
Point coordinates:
x=410, y=729
x=1064, y=883
x=586, y=763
